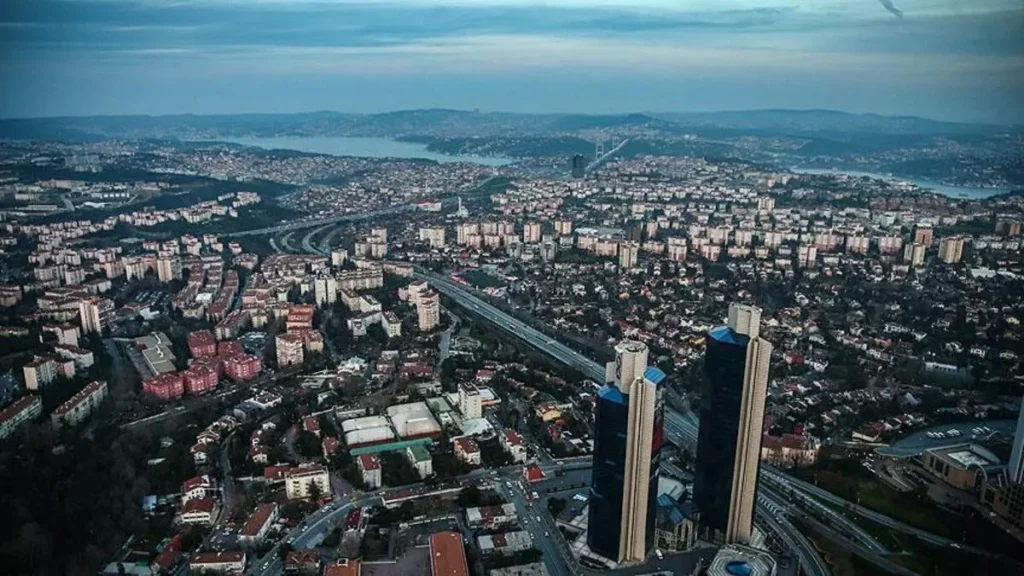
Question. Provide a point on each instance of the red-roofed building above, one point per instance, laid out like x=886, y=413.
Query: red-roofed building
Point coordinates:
x=302, y=562
x=165, y=386
x=312, y=425
x=259, y=454
x=198, y=487
x=258, y=524
x=229, y=348
x=218, y=562
x=512, y=443
x=167, y=561
x=200, y=453
x=18, y=412
x=369, y=465
x=447, y=556
x=533, y=473
x=200, y=378
x=275, y=473
x=467, y=450
x=329, y=446
x=789, y=450
x=343, y=567
x=242, y=367
x=199, y=511
x=202, y=343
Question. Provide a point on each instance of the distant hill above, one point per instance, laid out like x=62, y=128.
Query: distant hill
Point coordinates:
x=444, y=123
x=824, y=123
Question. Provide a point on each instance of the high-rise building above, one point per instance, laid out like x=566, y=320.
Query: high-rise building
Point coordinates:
x=627, y=452
x=338, y=256
x=951, y=249
x=470, y=402
x=168, y=269
x=433, y=235
x=428, y=310
x=924, y=234
x=325, y=290
x=531, y=232
x=563, y=227
x=578, y=165
x=95, y=314
x=627, y=255
x=1015, y=468
x=731, y=417
x=289, y=349
x=914, y=254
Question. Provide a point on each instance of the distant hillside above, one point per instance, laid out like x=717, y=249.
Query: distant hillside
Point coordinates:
x=824, y=123
x=443, y=123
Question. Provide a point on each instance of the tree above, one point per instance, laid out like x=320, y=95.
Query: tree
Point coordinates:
x=469, y=497
x=314, y=491
x=307, y=444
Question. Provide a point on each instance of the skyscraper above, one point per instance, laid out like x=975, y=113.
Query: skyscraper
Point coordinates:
x=627, y=451
x=1015, y=470
x=578, y=166
x=731, y=416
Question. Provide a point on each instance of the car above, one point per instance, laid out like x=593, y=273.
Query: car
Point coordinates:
x=657, y=552
x=538, y=518
x=546, y=534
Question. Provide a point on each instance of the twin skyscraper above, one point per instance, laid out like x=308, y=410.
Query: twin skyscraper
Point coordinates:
x=629, y=432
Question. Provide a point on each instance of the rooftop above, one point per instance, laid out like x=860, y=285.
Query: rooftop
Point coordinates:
x=447, y=556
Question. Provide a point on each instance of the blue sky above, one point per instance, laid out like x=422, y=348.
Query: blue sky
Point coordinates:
x=949, y=59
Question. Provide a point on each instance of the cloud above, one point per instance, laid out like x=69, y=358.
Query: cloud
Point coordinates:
x=138, y=44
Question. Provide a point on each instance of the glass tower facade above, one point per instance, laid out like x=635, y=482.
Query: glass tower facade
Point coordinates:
x=625, y=533
x=611, y=417
x=721, y=400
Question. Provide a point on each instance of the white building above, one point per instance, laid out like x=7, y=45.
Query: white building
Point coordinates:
x=512, y=443
x=298, y=482
x=470, y=402
x=428, y=310
x=433, y=235
x=78, y=407
x=951, y=249
x=200, y=511
x=391, y=324
x=218, y=563
x=369, y=466
x=17, y=413
x=420, y=459
x=627, y=255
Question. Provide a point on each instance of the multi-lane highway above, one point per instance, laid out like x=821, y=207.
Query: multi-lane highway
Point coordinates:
x=683, y=427
x=322, y=221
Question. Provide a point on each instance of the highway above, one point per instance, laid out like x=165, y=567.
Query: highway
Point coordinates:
x=307, y=244
x=682, y=427
x=321, y=222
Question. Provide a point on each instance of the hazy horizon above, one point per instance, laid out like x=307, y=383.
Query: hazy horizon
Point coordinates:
x=936, y=59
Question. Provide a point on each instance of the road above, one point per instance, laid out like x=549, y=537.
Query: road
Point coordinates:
x=322, y=221
x=683, y=427
x=307, y=243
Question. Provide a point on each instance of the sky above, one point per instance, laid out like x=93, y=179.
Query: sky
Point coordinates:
x=948, y=59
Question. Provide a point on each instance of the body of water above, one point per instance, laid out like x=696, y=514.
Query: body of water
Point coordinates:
x=360, y=147
x=944, y=189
